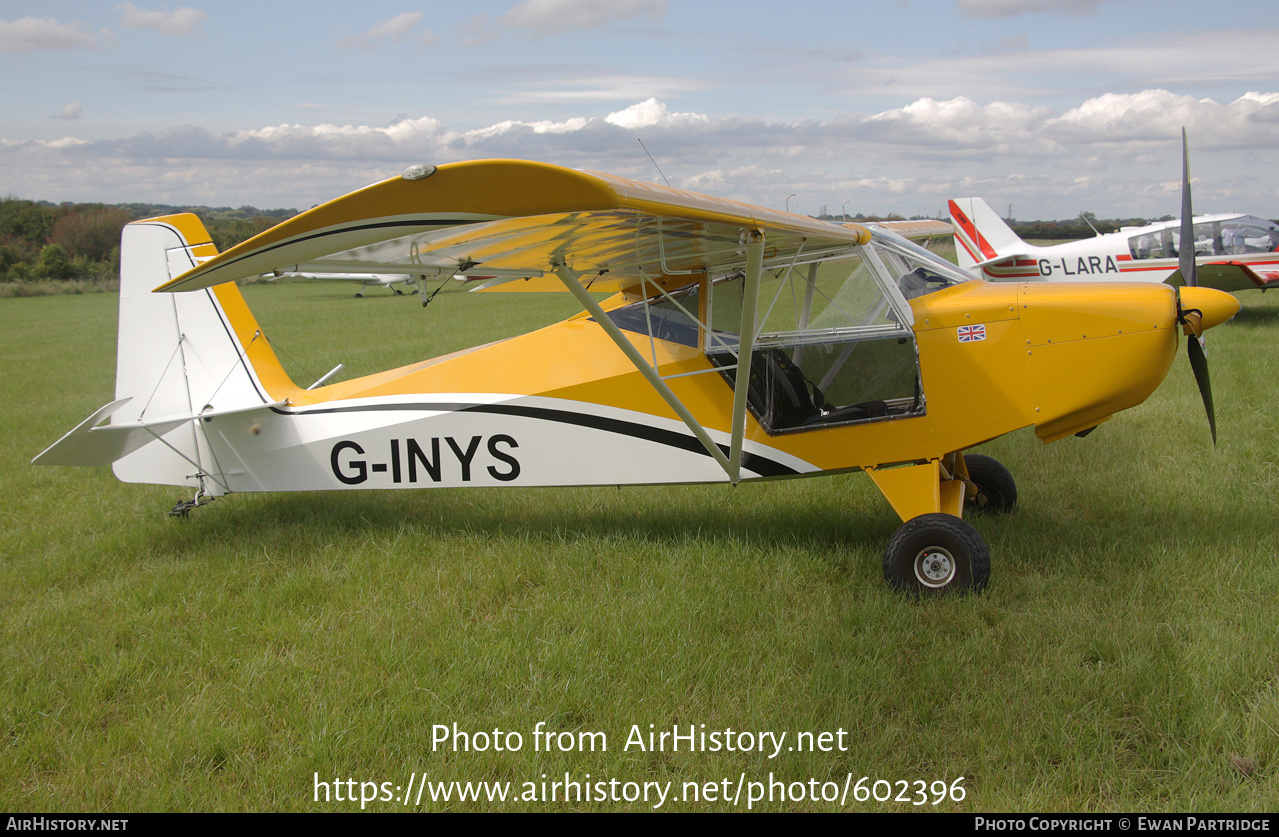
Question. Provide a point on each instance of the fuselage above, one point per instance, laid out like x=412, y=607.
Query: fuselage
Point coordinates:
x=991, y=358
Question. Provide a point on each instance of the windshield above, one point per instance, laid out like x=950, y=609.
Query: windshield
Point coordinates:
x=908, y=257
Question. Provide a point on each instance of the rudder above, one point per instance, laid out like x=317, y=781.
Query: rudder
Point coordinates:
x=980, y=234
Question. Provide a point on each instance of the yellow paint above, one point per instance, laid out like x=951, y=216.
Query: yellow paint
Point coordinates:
x=912, y=490
x=258, y=350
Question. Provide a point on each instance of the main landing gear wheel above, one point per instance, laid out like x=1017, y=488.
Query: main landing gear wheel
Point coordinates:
x=996, y=488
x=936, y=554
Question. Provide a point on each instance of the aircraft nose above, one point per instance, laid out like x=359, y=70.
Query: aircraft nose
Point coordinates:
x=1215, y=306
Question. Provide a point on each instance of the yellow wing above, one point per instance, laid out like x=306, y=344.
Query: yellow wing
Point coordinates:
x=923, y=228
x=517, y=221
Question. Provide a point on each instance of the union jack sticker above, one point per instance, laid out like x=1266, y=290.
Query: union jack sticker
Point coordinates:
x=972, y=333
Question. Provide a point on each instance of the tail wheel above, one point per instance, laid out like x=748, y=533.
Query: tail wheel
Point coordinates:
x=996, y=488
x=936, y=554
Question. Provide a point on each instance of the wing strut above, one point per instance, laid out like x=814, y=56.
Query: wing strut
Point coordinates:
x=745, y=348
x=733, y=468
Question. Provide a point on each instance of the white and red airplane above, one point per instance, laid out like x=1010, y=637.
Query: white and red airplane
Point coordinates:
x=1232, y=252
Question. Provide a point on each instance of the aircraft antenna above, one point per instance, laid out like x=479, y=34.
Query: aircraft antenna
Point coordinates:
x=1084, y=215
x=655, y=165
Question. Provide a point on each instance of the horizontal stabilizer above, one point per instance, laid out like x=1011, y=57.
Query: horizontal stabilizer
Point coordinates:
x=88, y=444
x=999, y=261
x=91, y=443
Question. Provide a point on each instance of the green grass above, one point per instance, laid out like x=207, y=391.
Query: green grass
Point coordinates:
x=1125, y=657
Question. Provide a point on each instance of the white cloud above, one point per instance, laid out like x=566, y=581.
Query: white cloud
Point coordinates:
x=1024, y=74
x=651, y=112
x=29, y=33
x=401, y=29
x=1115, y=154
x=1154, y=115
x=549, y=17
x=70, y=112
x=183, y=22
x=1012, y=8
x=963, y=124
x=601, y=87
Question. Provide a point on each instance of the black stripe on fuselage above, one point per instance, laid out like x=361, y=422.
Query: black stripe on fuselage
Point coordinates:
x=761, y=465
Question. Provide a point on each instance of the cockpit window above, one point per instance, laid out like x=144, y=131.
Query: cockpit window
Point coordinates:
x=832, y=347
x=1233, y=237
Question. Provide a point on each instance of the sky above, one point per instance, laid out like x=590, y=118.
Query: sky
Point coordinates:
x=1044, y=107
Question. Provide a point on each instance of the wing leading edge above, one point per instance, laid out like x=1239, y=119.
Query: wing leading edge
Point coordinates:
x=516, y=219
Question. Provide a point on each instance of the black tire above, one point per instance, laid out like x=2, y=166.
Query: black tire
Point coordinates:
x=936, y=554
x=996, y=488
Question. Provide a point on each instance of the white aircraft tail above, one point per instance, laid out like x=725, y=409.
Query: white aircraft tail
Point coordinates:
x=180, y=357
x=980, y=234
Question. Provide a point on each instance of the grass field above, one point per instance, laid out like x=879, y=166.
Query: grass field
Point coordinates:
x=1124, y=658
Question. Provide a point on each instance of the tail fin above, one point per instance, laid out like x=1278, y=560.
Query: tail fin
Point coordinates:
x=183, y=354
x=180, y=357
x=980, y=234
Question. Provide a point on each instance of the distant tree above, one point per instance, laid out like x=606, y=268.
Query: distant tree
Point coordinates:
x=11, y=257
x=25, y=224
x=41, y=241
x=90, y=230
x=228, y=232
x=55, y=263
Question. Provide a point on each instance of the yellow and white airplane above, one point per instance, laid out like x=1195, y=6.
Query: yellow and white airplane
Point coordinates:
x=738, y=344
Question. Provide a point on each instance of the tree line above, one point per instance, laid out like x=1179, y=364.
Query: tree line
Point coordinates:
x=45, y=242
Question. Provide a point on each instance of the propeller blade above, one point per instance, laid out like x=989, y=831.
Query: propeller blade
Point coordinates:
x=1187, y=243
x=1199, y=309
x=1199, y=363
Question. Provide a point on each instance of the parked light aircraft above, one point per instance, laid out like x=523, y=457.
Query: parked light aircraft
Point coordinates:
x=385, y=280
x=738, y=344
x=1233, y=252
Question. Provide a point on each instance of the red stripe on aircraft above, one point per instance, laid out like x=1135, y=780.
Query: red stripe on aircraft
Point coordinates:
x=994, y=275
x=971, y=231
x=967, y=249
